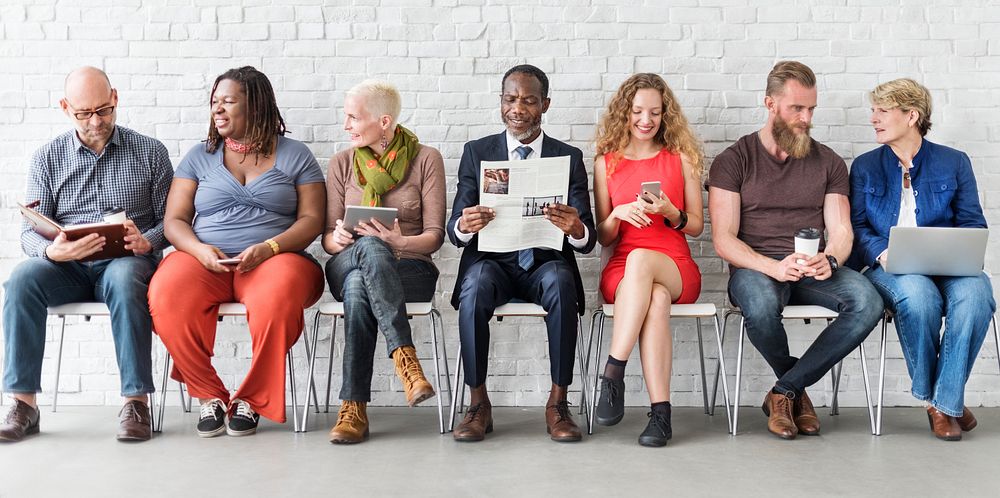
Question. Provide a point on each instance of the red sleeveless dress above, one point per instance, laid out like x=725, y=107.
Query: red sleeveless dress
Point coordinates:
x=624, y=183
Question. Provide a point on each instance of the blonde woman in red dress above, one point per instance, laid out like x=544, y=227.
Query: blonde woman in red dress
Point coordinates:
x=644, y=137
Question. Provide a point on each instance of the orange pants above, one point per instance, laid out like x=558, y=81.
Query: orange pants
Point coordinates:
x=184, y=300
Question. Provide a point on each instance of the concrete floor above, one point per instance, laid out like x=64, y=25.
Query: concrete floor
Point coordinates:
x=76, y=455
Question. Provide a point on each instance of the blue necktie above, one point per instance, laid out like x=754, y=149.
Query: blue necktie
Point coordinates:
x=525, y=257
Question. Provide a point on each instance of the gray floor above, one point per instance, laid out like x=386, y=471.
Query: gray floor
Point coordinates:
x=76, y=455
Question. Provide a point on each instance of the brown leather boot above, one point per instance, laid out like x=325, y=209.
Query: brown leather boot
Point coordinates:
x=408, y=370
x=806, y=420
x=558, y=420
x=945, y=427
x=778, y=408
x=967, y=421
x=352, y=423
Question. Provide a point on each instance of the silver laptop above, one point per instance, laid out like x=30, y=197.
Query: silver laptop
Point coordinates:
x=953, y=252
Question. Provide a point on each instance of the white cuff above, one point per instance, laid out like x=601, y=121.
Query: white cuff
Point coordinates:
x=464, y=237
x=577, y=243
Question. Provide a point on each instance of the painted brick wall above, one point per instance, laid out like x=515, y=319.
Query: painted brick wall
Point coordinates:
x=447, y=57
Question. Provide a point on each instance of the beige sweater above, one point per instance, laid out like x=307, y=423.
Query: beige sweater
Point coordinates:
x=420, y=199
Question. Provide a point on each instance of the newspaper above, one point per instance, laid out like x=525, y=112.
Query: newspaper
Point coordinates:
x=518, y=191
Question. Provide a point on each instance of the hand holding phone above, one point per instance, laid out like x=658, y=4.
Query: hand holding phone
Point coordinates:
x=652, y=187
x=230, y=261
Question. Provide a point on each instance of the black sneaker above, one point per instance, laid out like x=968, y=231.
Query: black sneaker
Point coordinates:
x=213, y=418
x=243, y=421
x=657, y=431
x=611, y=406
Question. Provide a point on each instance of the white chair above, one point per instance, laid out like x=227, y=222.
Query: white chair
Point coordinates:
x=696, y=311
x=335, y=310
x=795, y=312
x=91, y=309
x=886, y=318
x=516, y=309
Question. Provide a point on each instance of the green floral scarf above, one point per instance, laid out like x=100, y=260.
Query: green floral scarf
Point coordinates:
x=378, y=175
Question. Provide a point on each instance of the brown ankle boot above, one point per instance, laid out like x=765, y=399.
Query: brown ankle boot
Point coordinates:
x=805, y=415
x=478, y=421
x=778, y=408
x=558, y=419
x=967, y=421
x=408, y=370
x=944, y=427
x=352, y=423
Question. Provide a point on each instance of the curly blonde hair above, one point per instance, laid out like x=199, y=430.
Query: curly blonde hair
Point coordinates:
x=675, y=134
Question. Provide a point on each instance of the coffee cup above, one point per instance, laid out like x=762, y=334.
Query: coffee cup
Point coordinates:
x=807, y=242
x=114, y=215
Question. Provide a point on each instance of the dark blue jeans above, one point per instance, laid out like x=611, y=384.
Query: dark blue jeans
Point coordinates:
x=36, y=284
x=938, y=364
x=374, y=287
x=761, y=299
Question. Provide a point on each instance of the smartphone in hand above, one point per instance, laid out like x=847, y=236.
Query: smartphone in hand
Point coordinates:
x=652, y=187
x=230, y=261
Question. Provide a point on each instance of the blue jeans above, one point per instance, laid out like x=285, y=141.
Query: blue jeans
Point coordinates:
x=761, y=299
x=938, y=364
x=36, y=284
x=374, y=287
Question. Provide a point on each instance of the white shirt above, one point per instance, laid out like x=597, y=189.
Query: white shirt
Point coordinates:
x=536, y=151
x=907, y=206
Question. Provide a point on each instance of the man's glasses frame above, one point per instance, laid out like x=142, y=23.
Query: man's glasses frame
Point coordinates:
x=85, y=115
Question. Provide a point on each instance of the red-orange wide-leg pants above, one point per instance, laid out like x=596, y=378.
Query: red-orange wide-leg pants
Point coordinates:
x=184, y=299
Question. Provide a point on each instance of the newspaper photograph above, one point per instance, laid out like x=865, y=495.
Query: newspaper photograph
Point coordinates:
x=518, y=192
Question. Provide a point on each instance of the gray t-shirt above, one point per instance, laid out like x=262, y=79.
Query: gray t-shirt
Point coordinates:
x=232, y=216
x=778, y=197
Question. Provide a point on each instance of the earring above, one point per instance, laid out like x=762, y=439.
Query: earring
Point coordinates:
x=384, y=143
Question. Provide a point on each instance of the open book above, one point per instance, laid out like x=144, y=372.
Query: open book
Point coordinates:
x=114, y=233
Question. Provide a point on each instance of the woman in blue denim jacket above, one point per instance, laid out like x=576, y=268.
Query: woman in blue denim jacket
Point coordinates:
x=909, y=181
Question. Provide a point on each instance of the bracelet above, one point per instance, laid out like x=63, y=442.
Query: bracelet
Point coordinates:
x=275, y=248
x=681, y=224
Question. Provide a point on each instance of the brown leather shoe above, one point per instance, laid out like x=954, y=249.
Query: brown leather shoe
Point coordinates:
x=408, y=370
x=134, y=422
x=352, y=423
x=806, y=420
x=967, y=421
x=945, y=427
x=778, y=408
x=558, y=420
x=20, y=421
x=478, y=422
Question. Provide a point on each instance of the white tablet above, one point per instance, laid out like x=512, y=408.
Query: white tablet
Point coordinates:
x=354, y=214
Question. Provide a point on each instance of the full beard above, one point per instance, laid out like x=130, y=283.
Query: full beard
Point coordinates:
x=796, y=145
x=526, y=134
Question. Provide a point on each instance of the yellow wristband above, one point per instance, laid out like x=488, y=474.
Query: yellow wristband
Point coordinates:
x=275, y=248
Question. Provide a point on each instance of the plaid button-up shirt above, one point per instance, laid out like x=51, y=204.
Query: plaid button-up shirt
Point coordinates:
x=74, y=185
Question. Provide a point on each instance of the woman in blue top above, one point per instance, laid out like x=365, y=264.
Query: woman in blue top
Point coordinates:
x=909, y=181
x=242, y=209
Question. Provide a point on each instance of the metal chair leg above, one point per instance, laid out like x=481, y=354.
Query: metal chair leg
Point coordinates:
x=701, y=360
x=582, y=360
x=163, y=390
x=437, y=374
x=739, y=373
x=55, y=390
x=444, y=352
x=590, y=348
x=881, y=376
x=295, y=402
x=996, y=339
x=597, y=369
x=721, y=365
x=329, y=367
x=835, y=372
x=458, y=395
x=311, y=354
x=868, y=391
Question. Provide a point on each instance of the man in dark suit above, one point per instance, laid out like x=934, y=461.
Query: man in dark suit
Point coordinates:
x=543, y=276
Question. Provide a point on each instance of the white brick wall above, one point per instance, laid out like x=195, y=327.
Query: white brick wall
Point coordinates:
x=447, y=57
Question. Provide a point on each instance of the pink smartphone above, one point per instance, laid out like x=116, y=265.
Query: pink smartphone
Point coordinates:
x=230, y=261
x=651, y=187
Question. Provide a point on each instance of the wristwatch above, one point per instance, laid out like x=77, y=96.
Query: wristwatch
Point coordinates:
x=833, y=263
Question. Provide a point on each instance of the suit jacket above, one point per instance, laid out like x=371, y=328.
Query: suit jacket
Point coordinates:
x=494, y=148
x=944, y=187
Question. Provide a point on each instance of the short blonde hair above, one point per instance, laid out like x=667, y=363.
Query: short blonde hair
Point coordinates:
x=788, y=70
x=381, y=98
x=907, y=95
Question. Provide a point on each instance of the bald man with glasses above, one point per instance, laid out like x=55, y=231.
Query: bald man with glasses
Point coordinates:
x=76, y=178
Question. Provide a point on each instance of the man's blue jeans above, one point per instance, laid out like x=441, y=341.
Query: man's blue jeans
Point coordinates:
x=938, y=364
x=36, y=284
x=374, y=287
x=761, y=299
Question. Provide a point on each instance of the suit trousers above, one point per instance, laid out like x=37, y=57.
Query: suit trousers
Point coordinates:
x=490, y=283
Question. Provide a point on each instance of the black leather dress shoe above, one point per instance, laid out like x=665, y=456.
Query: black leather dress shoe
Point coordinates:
x=21, y=420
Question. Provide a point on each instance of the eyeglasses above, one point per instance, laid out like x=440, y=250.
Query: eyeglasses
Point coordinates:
x=85, y=115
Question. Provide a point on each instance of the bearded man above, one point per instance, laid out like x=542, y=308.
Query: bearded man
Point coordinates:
x=762, y=190
x=542, y=276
